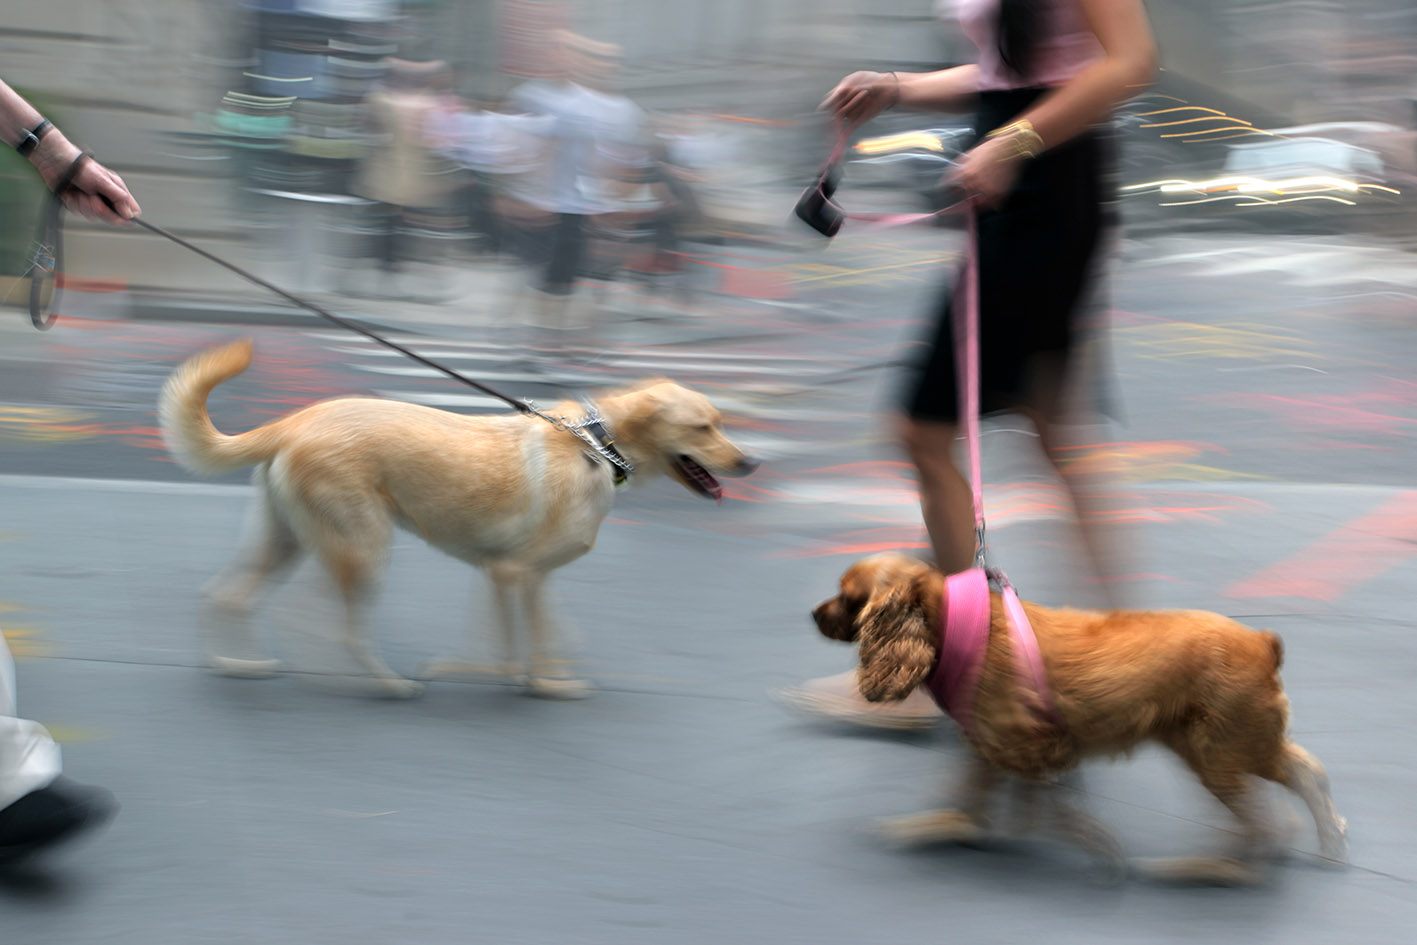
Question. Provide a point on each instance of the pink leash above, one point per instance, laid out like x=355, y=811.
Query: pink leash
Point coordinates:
x=967, y=610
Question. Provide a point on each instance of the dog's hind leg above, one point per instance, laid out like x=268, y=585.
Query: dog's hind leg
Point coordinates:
x=1237, y=789
x=352, y=541
x=268, y=549
x=1304, y=774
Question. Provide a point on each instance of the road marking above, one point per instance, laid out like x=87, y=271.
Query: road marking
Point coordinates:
x=1352, y=554
x=157, y=487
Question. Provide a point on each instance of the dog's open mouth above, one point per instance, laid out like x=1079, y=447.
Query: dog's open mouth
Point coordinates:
x=698, y=478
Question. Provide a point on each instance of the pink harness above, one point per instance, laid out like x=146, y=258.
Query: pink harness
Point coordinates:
x=965, y=611
x=964, y=639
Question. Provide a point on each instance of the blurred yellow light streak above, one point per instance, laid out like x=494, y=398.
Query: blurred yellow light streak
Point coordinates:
x=909, y=139
x=1187, y=121
x=1212, y=131
x=1180, y=108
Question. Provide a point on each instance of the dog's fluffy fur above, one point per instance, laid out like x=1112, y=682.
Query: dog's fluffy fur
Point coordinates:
x=1199, y=683
x=510, y=494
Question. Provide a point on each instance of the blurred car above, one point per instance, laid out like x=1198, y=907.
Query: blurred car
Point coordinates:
x=1285, y=181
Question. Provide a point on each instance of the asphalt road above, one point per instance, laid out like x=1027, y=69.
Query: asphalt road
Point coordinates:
x=1263, y=448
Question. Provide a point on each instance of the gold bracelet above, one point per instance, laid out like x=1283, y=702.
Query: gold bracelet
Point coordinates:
x=1026, y=142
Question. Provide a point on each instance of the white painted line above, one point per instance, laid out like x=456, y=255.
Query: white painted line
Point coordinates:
x=418, y=371
x=154, y=486
x=470, y=350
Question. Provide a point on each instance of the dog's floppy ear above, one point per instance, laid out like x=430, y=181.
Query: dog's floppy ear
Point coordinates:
x=898, y=649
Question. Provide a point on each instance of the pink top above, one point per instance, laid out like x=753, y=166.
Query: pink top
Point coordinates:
x=1066, y=46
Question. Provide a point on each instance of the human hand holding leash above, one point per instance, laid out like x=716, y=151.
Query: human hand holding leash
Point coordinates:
x=87, y=186
x=92, y=190
x=862, y=96
x=987, y=172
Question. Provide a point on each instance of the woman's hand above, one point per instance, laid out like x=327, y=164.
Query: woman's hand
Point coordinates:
x=988, y=171
x=862, y=96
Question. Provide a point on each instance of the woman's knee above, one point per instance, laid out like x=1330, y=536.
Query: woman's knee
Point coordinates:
x=930, y=445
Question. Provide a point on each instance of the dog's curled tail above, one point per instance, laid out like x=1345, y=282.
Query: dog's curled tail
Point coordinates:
x=188, y=430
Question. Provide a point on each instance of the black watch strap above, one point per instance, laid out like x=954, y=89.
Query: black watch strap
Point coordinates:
x=31, y=139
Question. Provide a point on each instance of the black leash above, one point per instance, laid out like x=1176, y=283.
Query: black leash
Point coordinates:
x=48, y=258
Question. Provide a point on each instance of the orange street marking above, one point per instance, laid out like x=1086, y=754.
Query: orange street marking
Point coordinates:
x=1346, y=557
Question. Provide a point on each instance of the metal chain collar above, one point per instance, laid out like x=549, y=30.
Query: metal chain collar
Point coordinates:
x=593, y=432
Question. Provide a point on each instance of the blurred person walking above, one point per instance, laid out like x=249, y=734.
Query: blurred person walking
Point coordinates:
x=403, y=173
x=597, y=149
x=38, y=806
x=1048, y=73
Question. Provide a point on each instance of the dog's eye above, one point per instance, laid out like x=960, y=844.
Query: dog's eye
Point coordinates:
x=704, y=428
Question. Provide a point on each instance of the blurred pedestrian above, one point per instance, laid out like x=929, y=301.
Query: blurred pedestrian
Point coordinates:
x=39, y=807
x=1048, y=73
x=596, y=152
x=403, y=173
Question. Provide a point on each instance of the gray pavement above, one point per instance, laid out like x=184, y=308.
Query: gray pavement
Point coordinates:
x=1266, y=450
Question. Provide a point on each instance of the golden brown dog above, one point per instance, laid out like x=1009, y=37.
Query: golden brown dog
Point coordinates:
x=510, y=494
x=1201, y=684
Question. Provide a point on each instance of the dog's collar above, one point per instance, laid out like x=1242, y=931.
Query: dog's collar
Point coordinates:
x=602, y=442
x=593, y=430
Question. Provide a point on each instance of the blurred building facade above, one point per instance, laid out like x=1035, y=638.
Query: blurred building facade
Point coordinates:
x=143, y=82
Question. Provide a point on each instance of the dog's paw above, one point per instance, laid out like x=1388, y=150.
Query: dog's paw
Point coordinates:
x=396, y=688
x=1333, y=841
x=1200, y=871
x=931, y=827
x=243, y=669
x=558, y=687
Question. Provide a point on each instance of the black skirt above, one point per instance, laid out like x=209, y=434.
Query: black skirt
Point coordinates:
x=1037, y=255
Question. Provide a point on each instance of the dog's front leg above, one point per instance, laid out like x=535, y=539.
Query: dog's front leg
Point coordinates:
x=1072, y=825
x=966, y=821
x=506, y=581
x=548, y=677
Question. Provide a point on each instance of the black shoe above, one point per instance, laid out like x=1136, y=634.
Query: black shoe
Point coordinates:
x=42, y=818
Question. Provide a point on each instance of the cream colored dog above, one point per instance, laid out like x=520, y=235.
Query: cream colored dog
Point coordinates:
x=510, y=494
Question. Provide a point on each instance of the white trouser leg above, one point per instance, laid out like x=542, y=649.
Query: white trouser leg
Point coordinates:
x=29, y=758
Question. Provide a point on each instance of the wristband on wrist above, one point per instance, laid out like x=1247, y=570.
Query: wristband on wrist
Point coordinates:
x=895, y=99
x=1020, y=134
x=32, y=137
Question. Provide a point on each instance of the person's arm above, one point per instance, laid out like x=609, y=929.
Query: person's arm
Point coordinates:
x=1127, y=65
x=53, y=155
x=862, y=96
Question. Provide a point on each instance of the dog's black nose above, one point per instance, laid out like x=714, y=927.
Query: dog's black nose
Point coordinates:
x=748, y=464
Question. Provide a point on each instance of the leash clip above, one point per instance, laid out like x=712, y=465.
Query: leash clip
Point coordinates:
x=981, y=550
